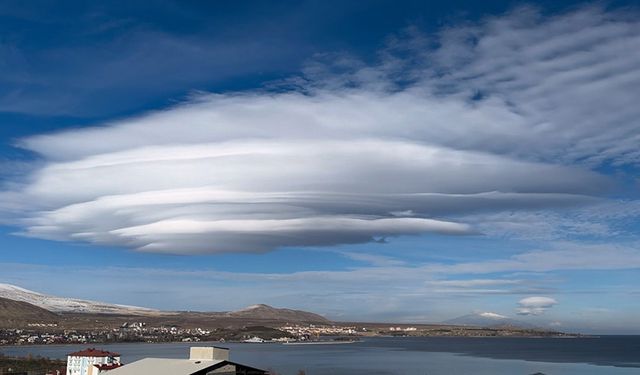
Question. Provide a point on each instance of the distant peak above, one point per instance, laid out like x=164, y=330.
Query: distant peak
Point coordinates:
x=262, y=311
x=492, y=315
x=486, y=319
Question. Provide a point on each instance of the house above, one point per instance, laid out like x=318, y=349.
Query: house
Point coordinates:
x=82, y=362
x=202, y=361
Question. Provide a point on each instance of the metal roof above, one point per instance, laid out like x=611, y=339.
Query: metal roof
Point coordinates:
x=164, y=366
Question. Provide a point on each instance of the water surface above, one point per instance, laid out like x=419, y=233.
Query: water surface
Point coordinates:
x=614, y=355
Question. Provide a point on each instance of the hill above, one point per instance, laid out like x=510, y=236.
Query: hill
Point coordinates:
x=16, y=313
x=267, y=312
x=78, y=313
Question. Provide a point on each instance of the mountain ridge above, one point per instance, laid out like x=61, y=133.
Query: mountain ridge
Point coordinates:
x=63, y=305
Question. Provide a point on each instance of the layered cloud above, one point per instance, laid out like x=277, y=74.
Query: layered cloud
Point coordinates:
x=508, y=114
x=535, y=305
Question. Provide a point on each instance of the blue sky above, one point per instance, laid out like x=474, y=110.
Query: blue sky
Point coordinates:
x=384, y=161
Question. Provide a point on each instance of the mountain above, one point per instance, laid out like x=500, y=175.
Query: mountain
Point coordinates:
x=488, y=320
x=12, y=312
x=62, y=304
x=256, y=314
x=266, y=312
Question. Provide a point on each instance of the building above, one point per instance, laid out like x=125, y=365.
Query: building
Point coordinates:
x=202, y=361
x=82, y=362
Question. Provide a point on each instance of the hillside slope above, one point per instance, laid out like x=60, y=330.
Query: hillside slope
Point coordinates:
x=13, y=313
x=62, y=304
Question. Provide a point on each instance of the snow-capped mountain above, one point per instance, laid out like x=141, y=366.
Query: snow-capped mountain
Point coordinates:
x=487, y=319
x=62, y=304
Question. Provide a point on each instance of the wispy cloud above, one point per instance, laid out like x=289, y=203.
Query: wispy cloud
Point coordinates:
x=374, y=259
x=560, y=256
x=381, y=288
x=405, y=282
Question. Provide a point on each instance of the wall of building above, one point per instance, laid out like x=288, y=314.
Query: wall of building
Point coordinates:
x=80, y=365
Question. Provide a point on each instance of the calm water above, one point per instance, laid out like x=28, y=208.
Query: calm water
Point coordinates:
x=610, y=355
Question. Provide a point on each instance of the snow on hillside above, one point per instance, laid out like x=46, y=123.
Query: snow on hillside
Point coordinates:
x=491, y=315
x=61, y=304
x=251, y=308
x=487, y=319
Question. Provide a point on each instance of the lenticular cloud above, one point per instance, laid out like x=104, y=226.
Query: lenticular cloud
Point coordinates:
x=359, y=159
x=257, y=195
x=535, y=305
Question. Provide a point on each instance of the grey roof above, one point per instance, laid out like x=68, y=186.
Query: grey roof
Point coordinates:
x=164, y=366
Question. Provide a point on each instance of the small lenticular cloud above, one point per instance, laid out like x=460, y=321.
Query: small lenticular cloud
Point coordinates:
x=535, y=305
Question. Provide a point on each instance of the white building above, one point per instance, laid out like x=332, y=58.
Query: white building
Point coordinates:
x=82, y=362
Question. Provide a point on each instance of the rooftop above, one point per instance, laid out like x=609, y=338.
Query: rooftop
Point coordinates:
x=202, y=360
x=165, y=366
x=93, y=352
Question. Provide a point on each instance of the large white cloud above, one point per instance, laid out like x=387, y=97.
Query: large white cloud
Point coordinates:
x=506, y=114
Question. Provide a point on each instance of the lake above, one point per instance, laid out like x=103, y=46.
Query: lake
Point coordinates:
x=610, y=355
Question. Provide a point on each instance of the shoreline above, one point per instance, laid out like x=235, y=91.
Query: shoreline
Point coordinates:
x=360, y=339
x=321, y=342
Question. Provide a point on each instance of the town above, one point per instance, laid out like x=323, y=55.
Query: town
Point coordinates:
x=43, y=334
x=128, y=332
